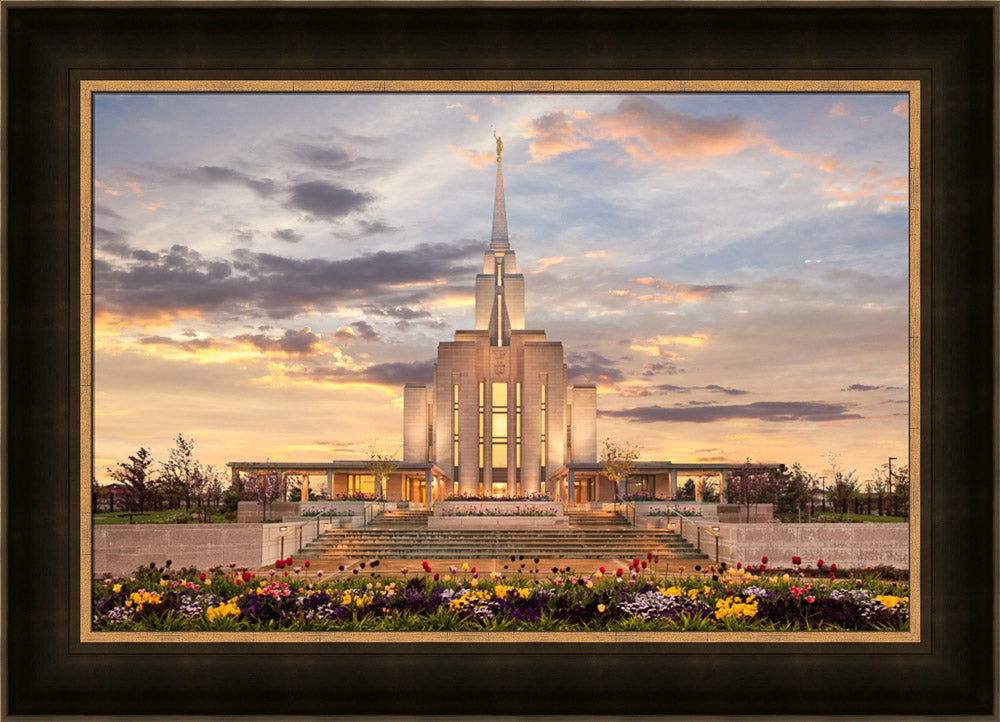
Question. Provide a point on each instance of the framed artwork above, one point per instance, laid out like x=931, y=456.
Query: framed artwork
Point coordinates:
x=218, y=145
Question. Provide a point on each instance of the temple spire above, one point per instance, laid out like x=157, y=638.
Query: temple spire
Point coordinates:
x=498, y=239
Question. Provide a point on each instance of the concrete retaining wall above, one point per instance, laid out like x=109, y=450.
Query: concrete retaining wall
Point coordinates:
x=737, y=513
x=121, y=549
x=846, y=545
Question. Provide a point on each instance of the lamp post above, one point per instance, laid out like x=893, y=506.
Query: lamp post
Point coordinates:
x=823, y=499
x=282, y=529
x=716, y=529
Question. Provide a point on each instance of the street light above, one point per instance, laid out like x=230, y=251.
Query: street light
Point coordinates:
x=823, y=499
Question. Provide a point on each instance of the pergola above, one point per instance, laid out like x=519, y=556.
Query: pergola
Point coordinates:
x=582, y=482
x=418, y=482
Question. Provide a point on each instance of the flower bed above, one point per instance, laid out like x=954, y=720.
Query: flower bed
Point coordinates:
x=533, y=496
x=497, y=508
x=673, y=511
x=637, y=599
x=326, y=511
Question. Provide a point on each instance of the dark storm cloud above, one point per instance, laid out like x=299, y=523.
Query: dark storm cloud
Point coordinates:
x=326, y=201
x=286, y=234
x=276, y=286
x=724, y=390
x=358, y=329
x=294, y=343
x=244, y=235
x=861, y=387
x=393, y=373
x=761, y=410
x=213, y=174
x=591, y=368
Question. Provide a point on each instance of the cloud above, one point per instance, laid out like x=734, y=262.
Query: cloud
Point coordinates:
x=101, y=211
x=393, y=374
x=358, y=329
x=286, y=234
x=469, y=111
x=112, y=243
x=544, y=263
x=554, y=134
x=839, y=110
x=666, y=292
x=320, y=200
x=660, y=367
x=476, y=159
x=861, y=387
x=591, y=368
x=406, y=314
x=902, y=109
x=213, y=174
x=645, y=130
x=760, y=410
x=293, y=343
x=320, y=156
x=371, y=228
x=180, y=282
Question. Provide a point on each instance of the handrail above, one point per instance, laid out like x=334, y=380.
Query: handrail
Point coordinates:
x=712, y=531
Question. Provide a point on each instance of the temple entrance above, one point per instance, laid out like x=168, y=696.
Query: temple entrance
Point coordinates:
x=499, y=488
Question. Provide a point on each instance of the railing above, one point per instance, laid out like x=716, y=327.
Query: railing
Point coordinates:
x=370, y=510
x=625, y=509
x=712, y=531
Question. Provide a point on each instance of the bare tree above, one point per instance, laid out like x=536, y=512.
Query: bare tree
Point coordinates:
x=619, y=462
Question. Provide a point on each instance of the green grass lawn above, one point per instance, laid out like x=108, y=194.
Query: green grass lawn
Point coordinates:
x=168, y=516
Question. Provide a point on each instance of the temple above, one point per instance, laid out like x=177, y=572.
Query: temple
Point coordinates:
x=499, y=416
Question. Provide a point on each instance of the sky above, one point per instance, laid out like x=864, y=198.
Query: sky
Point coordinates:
x=729, y=269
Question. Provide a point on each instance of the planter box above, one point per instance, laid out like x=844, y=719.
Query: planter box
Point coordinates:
x=497, y=522
x=737, y=513
x=444, y=508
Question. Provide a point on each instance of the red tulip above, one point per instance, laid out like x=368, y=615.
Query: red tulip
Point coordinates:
x=833, y=567
x=288, y=562
x=620, y=571
x=820, y=563
x=796, y=560
x=656, y=560
x=739, y=565
x=763, y=560
x=238, y=580
x=202, y=577
x=307, y=563
x=649, y=555
x=436, y=577
x=280, y=564
x=644, y=565
x=246, y=576
x=602, y=570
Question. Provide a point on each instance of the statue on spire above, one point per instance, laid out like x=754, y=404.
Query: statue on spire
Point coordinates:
x=499, y=147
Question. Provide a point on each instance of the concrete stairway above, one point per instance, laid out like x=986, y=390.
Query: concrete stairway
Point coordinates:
x=596, y=520
x=396, y=535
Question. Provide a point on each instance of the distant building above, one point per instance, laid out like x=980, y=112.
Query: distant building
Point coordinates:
x=499, y=416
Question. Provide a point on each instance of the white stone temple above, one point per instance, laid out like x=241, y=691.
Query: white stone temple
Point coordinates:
x=499, y=416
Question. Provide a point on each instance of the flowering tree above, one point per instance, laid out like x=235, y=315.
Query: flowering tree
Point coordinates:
x=380, y=464
x=797, y=485
x=264, y=487
x=619, y=462
x=753, y=484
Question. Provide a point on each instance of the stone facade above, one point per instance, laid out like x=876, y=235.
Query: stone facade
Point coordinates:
x=499, y=415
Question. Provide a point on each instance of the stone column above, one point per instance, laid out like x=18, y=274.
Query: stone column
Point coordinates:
x=673, y=483
x=329, y=483
x=428, y=488
x=570, y=488
x=305, y=486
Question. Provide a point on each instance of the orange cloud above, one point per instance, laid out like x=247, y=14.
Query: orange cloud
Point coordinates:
x=902, y=109
x=838, y=110
x=556, y=133
x=470, y=112
x=678, y=292
x=651, y=133
x=473, y=157
x=544, y=263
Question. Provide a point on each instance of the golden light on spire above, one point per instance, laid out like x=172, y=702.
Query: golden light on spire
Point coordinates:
x=499, y=147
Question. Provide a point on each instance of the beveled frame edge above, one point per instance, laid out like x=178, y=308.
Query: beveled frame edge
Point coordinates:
x=87, y=88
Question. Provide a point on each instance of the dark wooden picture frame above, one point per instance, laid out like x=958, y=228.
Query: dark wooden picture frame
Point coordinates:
x=50, y=49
